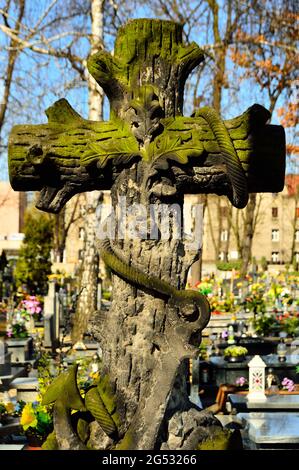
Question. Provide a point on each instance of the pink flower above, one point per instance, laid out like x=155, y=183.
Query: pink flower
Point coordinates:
x=288, y=384
x=241, y=381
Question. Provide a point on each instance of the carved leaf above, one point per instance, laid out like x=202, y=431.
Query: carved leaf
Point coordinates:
x=173, y=146
x=95, y=405
x=65, y=388
x=121, y=148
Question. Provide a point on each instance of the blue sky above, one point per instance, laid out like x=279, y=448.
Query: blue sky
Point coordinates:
x=40, y=80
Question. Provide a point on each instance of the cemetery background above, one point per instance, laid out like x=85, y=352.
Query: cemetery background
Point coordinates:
x=272, y=298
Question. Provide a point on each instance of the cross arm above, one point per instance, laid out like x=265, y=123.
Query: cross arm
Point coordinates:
x=232, y=157
x=68, y=155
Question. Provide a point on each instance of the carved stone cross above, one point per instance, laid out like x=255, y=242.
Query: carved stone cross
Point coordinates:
x=149, y=153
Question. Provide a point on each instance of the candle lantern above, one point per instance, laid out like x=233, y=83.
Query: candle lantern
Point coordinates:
x=256, y=379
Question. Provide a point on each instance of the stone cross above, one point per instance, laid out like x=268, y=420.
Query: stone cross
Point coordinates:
x=152, y=155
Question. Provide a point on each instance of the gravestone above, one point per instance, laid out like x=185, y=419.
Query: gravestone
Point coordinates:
x=27, y=389
x=271, y=430
x=5, y=359
x=149, y=155
x=51, y=318
x=20, y=349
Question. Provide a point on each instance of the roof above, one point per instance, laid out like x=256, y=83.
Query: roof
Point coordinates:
x=292, y=184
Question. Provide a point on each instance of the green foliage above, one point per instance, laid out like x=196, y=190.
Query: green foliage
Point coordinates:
x=34, y=265
x=203, y=348
x=229, y=265
x=106, y=294
x=235, y=351
x=291, y=325
x=44, y=375
x=264, y=324
x=36, y=419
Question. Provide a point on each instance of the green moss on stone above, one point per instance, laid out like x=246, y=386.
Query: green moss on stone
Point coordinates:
x=83, y=429
x=222, y=439
x=65, y=389
x=126, y=443
x=97, y=408
x=51, y=442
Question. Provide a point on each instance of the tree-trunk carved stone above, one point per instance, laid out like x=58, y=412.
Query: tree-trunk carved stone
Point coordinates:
x=151, y=155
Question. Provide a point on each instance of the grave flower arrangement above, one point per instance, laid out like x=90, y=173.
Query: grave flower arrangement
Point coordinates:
x=16, y=325
x=20, y=317
x=37, y=422
x=235, y=353
x=6, y=410
x=9, y=411
x=32, y=306
x=288, y=384
x=242, y=383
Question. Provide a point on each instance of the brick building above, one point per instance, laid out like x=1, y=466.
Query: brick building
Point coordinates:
x=12, y=210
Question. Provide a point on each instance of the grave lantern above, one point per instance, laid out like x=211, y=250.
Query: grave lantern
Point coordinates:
x=256, y=379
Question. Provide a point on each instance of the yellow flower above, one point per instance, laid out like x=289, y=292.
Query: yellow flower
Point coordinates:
x=94, y=375
x=9, y=407
x=28, y=418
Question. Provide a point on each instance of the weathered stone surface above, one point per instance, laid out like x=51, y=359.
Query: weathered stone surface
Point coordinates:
x=186, y=430
x=151, y=155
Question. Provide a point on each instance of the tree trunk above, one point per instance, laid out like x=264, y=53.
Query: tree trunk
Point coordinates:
x=11, y=61
x=144, y=340
x=89, y=268
x=248, y=234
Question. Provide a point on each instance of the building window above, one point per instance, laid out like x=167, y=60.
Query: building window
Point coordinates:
x=80, y=254
x=275, y=257
x=297, y=256
x=297, y=236
x=221, y=255
x=223, y=211
x=224, y=235
x=234, y=255
x=274, y=212
x=297, y=212
x=275, y=235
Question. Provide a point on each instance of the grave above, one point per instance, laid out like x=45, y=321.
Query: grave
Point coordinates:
x=20, y=349
x=51, y=318
x=273, y=403
x=270, y=430
x=27, y=388
x=83, y=350
x=5, y=360
x=227, y=372
x=16, y=371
